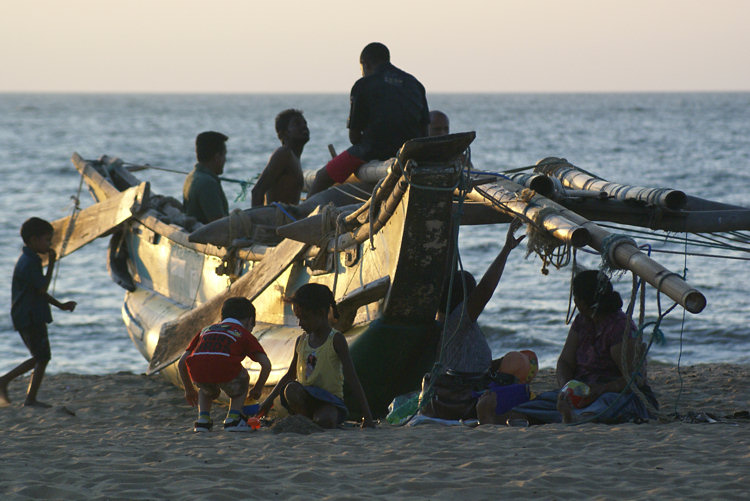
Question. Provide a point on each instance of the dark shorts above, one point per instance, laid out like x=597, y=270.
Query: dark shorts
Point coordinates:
x=37, y=341
x=322, y=396
x=342, y=166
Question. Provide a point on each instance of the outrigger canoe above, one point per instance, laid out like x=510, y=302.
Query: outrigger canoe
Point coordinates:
x=384, y=258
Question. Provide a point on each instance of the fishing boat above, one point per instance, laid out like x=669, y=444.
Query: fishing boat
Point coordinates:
x=385, y=258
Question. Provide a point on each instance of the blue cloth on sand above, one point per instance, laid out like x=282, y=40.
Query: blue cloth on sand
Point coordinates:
x=628, y=408
x=324, y=396
x=509, y=396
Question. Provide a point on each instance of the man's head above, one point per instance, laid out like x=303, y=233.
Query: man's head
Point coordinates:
x=439, y=124
x=211, y=150
x=239, y=308
x=291, y=126
x=37, y=234
x=372, y=56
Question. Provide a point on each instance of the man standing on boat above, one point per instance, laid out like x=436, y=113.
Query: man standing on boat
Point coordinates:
x=282, y=179
x=203, y=197
x=388, y=107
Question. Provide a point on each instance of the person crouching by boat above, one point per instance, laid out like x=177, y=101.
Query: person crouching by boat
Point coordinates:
x=597, y=362
x=314, y=384
x=203, y=196
x=213, y=362
x=388, y=107
x=30, y=309
x=282, y=179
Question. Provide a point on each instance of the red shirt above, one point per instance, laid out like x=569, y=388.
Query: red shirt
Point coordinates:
x=217, y=352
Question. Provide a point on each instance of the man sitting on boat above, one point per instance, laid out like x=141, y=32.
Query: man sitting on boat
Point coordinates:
x=282, y=180
x=388, y=107
x=203, y=197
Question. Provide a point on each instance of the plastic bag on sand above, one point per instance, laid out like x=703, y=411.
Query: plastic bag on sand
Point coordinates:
x=402, y=408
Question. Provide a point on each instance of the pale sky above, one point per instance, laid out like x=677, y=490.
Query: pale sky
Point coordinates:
x=304, y=46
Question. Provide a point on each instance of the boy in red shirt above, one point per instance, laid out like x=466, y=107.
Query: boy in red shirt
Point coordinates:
x=213, y=361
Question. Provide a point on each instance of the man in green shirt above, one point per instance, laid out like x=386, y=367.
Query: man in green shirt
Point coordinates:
x=203, y=197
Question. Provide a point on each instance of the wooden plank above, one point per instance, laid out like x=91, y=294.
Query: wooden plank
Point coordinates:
x=368, y=293
x=101, y=188
x=175, y=336
x=75, y=231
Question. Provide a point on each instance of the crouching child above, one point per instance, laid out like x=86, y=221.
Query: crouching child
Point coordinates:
x=213, y=362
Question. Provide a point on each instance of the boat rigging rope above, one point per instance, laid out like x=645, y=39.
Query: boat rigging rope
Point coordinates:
x=69, y=229
x=705, y=240
x=243, y=184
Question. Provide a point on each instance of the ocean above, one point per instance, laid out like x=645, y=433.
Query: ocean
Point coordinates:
x=697, y=142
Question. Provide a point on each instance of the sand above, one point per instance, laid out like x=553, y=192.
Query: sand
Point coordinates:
x=129, y=436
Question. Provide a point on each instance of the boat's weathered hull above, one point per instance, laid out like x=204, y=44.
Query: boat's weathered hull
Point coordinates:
x=176, y=289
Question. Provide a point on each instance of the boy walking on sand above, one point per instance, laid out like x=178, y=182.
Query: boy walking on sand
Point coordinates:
x=30, y=309
x=213, y=361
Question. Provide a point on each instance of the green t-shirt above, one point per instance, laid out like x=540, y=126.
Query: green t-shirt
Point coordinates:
x=203, y=197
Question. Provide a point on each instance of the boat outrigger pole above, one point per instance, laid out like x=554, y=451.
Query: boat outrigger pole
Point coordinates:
x=567, y=226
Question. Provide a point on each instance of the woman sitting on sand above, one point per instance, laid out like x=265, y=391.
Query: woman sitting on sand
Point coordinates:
x=591, y=368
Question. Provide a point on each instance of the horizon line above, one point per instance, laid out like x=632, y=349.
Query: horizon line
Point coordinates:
x=312, y=93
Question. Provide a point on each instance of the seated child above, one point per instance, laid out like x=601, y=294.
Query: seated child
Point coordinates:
x=314, y=384
x=213, y=361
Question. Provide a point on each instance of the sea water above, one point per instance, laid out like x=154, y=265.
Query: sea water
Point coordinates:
x=698, y=143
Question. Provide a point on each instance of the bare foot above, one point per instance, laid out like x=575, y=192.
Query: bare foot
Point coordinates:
x=36, y=403
x=4, y=400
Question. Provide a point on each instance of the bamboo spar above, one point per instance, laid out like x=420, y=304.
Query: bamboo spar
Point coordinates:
x=558, y=226
x=574, y=178
x=624, y=254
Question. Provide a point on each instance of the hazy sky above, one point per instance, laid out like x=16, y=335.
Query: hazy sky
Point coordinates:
x=313, y=45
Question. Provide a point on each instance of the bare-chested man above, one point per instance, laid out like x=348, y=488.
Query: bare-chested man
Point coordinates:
x=282, y=180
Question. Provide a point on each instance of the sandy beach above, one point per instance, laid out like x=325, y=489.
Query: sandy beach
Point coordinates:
x=128, y=436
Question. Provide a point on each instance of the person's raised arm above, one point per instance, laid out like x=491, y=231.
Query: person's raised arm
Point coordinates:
x=351, y=378
x=482, y=293
x=44, y=285
x=51, y=260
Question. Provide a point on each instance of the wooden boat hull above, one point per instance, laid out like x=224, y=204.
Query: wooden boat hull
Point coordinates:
x=394, y=277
